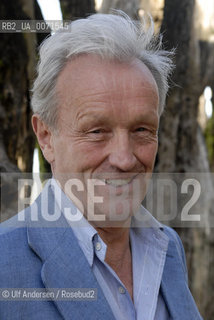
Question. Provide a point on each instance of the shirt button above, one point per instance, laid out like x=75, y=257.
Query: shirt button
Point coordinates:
x=98, y=246
x=122, y=290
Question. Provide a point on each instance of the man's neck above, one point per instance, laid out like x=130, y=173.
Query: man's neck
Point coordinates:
x=117, y=241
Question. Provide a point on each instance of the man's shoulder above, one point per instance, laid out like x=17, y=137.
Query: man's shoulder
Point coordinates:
x=175, y=238
x=16, y=255
x=171, y=233
x=10, y=230
x=15, y=226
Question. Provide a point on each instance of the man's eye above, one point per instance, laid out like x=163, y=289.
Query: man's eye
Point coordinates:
x=96, y=131
x=141, y=129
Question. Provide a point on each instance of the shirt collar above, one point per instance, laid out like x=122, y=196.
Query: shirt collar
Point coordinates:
x=150, y=230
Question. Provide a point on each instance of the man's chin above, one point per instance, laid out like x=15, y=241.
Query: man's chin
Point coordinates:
x=116, y=215
x=112, y=223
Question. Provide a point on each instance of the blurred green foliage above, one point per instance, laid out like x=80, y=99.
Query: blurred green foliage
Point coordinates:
x=209, y=137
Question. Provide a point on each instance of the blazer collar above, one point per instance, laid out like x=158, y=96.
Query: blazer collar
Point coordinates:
x=175, y=288
x=64, y=264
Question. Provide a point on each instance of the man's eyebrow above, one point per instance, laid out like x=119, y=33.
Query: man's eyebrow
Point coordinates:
x=98, y=119
x=142, y=114
x=92, y=115
x=147, y=117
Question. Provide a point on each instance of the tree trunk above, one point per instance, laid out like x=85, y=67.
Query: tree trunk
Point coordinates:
x=182, y=146
x=74, y=9
x=17, y=68
x=129, y=7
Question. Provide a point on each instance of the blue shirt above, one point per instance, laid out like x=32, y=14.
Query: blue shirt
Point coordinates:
x=148, y=247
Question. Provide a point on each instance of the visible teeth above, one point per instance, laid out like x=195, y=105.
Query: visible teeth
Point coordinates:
x=117, y=182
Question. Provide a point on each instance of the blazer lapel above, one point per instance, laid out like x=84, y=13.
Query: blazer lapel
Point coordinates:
x=175, y=289
x=65, y=266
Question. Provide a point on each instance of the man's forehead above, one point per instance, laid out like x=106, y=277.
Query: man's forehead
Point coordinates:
x=83, y=64
x=86, y=72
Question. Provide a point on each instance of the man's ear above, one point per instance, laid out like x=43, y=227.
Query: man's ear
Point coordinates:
x=44, y=136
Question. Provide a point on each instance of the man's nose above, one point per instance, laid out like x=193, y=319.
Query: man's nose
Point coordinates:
x=121, y=153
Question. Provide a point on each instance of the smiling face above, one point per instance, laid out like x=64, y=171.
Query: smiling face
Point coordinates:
x=107, y=128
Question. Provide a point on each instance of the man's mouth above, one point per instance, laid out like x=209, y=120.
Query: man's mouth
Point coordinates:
x=117, y=182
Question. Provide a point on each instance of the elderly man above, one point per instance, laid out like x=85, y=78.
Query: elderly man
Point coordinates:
x=97, y=101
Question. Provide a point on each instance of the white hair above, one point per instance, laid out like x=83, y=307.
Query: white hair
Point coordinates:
x=111, y=36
